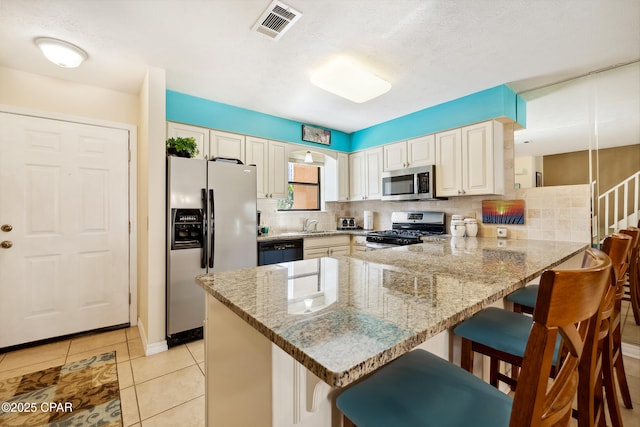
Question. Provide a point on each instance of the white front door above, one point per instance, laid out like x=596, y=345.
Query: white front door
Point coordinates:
x=64, y=228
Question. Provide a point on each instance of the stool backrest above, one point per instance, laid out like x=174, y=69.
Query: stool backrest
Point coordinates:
x=620, y=249
x=569, y=304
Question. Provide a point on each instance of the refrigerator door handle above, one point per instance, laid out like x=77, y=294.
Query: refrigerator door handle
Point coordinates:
x=203, y=252
x=213, y=228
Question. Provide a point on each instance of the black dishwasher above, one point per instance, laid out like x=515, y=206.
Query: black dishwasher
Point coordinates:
x=275, y=251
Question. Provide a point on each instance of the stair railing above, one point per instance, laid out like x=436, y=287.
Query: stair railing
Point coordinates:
x=621, y=219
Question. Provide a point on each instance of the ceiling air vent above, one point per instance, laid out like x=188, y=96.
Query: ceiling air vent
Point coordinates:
x=276, y=20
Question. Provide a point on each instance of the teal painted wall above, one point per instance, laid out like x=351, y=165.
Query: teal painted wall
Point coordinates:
x=196, y=111
x=485, y=105
x=499, y=101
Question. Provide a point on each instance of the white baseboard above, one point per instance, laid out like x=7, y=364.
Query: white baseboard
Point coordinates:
x=151, y=348
x=631, y=350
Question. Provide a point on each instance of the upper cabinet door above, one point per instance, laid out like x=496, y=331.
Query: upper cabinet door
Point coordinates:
x=395, y=156
x=278, y=170
x=343, y=177
x=228, y=145
x=374, y=173
x=257, y=154
x=448, y=163
x=482, y=148
x=357, y=176
x=421, y=151
x=201, y=135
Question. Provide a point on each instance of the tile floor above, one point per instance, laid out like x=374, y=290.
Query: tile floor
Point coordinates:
x=167, y=389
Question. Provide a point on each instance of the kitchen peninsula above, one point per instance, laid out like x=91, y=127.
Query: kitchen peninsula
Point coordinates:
x=281, y=339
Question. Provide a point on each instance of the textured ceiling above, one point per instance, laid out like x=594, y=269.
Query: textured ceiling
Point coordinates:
x=431, y=51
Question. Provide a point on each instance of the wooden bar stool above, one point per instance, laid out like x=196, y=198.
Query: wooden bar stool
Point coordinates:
x=420, y=389
x=632, y=291
x=616, y=325
x=502, y=335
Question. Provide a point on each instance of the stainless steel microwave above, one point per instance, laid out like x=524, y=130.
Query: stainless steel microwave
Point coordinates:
x=409, y=184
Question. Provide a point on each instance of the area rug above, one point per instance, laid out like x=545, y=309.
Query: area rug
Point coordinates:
x=81, y=393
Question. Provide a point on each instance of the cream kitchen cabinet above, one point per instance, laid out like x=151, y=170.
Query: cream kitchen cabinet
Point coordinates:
x=365, y=168
x=201, y=135
x=226, y=144
x=336, y=178
x=408, y=154
x=469, y=160
x=343, y=177
x=317, y=247
x=270, y=158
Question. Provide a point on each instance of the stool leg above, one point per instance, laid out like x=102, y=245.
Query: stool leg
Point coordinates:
x=618, y=365
x=466, y=355
x=494, y=366
x=608, y=382
x=346, y=422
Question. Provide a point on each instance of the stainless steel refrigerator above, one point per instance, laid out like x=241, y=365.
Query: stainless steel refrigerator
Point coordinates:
x=211, y=227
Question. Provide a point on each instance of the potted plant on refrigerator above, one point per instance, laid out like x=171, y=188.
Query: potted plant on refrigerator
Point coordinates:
x=182, y=147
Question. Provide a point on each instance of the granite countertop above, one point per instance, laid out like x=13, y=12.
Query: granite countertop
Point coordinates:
x=344, y=317
x=307, y=234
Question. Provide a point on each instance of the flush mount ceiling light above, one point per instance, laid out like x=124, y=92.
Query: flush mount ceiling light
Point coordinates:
x=348, y=79
x=61, y=53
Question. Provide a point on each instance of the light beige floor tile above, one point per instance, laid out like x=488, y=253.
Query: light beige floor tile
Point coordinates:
x=121, y=349
x=169, y=391
x=93, y=341
x=197, y=350
x=125, y=375
x=132, y=333
x=189, y=414
x=32, y=368
x=135, y=348
x=632, y=366
x=129, y=405
x=146, y=368
x=201, y=365
x=630, y=417
x=30, y=356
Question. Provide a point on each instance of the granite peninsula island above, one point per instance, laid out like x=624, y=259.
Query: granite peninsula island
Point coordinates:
x=281, y=340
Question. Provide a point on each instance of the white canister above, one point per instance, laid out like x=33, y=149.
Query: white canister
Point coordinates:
x=368, y=220
x=457, y=228
x=471, y=227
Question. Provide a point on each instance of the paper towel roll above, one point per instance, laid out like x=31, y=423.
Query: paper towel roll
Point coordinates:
x=368, y=220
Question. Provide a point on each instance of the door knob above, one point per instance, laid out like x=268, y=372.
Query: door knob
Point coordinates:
x=6, y=244
x=6, y=227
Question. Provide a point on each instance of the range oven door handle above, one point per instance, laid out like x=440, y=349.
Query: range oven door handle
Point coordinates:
x=203, y=252
x=212, y=228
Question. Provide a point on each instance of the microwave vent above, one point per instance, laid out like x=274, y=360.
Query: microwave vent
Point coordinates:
x=276, y=20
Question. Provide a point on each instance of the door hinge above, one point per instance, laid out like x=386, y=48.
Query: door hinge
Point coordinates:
x=129, y=298
x=129, y=156
x=129, y=227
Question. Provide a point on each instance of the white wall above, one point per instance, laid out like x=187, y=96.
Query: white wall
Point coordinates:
x=151, y=211
x=38, y=92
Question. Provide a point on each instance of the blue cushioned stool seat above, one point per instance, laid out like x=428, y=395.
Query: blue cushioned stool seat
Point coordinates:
x=501, y=330
x=421, y=389
x=526, y=296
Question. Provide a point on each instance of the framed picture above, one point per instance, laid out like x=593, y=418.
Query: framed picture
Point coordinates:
x=503, y=211
x=317, y=135
x=538, y=179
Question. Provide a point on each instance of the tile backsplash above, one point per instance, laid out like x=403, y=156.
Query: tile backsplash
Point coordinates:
x=551, y=213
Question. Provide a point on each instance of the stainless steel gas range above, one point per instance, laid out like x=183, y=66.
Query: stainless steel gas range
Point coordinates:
x=408, y=228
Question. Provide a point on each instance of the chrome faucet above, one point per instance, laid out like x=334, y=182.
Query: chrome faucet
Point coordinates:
x=308, y=223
